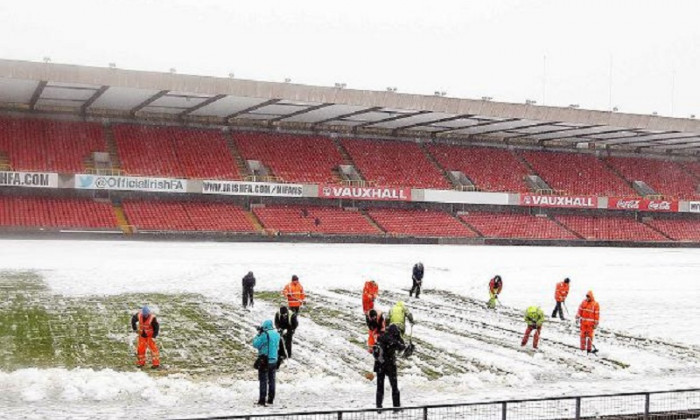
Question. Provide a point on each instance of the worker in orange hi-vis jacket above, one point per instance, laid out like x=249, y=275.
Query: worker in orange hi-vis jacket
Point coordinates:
x=369, y=294
x=588, y=316
x=145, y=324
x=294, y=292
x=560, y=294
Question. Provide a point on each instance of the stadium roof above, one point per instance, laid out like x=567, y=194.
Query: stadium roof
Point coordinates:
x=95, y=91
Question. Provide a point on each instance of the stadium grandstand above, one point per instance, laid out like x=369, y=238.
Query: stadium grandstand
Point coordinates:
x=88, y=151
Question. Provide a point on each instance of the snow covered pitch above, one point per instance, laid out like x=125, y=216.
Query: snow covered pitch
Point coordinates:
x=66, y=351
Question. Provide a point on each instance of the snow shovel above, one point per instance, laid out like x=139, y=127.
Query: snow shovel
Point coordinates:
x=409, y=347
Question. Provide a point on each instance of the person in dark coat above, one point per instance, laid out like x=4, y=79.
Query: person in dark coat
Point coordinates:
x=286, y=323
x=417, y=280
x=248, y=285
x=385, y=364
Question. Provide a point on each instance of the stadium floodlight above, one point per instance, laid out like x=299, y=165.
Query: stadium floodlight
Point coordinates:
x=530, y=102
x=340, y=85
x=47, y=59
x=173, y=70
x=486, y=98
x=112, y=65
x=287, y=80
x=574, y=106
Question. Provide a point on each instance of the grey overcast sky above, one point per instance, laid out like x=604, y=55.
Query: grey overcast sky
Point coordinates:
x=469, y=49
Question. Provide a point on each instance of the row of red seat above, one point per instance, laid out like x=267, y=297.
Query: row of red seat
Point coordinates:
x=48, y=145
x=187, y=216
x=55, y=213
x=46, y=212
x=325, y=220
x=174, y=152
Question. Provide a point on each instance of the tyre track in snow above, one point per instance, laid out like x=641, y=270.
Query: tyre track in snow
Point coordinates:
x=659, y=347
x=454, y=317
x=433, y=362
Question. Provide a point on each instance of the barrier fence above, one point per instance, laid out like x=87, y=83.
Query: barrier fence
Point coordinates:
x=662, y=405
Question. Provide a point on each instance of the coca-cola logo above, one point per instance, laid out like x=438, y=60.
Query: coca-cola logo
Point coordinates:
x=659, y=205
x=628, y=204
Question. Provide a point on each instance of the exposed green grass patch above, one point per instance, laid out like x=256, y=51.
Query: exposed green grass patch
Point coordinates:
x=38, y=329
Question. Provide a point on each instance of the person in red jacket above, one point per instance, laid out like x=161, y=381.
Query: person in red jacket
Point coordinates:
x=369, y=294
x=495, y=287
x=294, y=292
x=588, y=316
x=560, y=294
x=147, y=330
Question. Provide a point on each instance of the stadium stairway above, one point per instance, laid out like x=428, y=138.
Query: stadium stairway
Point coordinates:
x=566, y=228
x=112, y=147
x=240, y=162
x=372, y=221
x=122, y=221
x=659, y=231
x=524, y=161
x=5, y=162
x=617, y=173
x=683, y=165
x=465, y=223
x=347, y=159
x=435, y=163
x=253, y=219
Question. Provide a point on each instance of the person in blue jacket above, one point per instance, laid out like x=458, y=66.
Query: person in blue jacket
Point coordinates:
x=267, y=342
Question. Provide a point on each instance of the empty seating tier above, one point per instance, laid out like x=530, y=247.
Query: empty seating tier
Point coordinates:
x=48, y=145
x=425, y=223
x=328, y=220
x=187, y=216
x=395, y=163
x=56, y=213
x=490, y=169
x=677, y=229
x=174, y=152
x=509, y=225
x=292, y=158
x=577, y=174
x=665, y=177
x=694, y=168
x=609, y=228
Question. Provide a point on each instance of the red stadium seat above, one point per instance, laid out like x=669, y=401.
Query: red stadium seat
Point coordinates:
x=427, y=223
x=610, y=228
x=577, y=174
x=490, y=169
x=56, y=213
x=665, y=177
x=187, y=216
x=511, y=225
x=174, y=152
x=292, y=158
x=395, y=163
x=678, y=229
x=301, y=219
x=48, y=145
